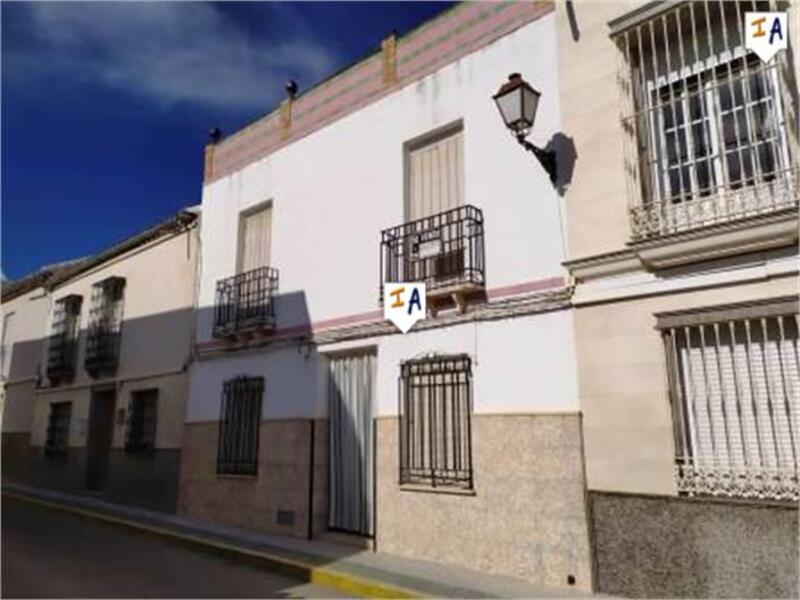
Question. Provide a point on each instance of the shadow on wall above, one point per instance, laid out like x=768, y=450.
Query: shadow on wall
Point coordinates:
x=161, y=345
x=150, y=352
x=566, y=156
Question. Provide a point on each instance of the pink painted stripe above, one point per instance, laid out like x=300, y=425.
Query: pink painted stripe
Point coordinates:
x=330, y=101
x=524, y=288
x=471, y=37
x=376, y=316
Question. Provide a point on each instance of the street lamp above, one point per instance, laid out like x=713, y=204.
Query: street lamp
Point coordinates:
x=517, y=102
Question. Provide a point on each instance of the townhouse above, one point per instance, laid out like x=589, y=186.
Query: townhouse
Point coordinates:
x=682, y=230
x=105, y=357
x=312, y=416
x=604, y=393
x=25, y=309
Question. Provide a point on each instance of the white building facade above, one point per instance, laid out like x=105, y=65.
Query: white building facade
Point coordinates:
x=311, y=415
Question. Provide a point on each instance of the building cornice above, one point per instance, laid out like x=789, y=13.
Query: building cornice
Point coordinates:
x=743, y=236
x=447, y=38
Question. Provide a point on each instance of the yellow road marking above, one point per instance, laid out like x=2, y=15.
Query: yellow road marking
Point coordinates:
x=350, y=584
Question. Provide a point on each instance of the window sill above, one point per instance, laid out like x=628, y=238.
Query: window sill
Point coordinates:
x=241, y=476
x=451, y=491
x=754, y=234
x=735, y=500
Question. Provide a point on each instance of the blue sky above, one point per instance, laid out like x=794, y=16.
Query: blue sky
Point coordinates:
x=106, y=106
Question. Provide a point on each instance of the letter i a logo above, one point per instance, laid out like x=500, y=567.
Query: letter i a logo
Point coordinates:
x=765, y=33
x=404, y=304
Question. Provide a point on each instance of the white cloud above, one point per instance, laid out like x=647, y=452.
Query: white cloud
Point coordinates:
x=170, y=52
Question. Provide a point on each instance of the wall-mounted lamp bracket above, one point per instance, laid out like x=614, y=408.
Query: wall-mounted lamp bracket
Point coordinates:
x=547, y=158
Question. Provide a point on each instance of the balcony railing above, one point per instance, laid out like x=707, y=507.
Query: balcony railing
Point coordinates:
x=102, y=351
x=445, y=251
x=61, y=355
x=656, y=219
x=245, y=302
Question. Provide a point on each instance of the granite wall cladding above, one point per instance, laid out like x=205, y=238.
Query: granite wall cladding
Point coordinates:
x=65, y=473
x=15, y=455
x=146, y=480
x=528, y=515
x=652, y=546
x=274, y=501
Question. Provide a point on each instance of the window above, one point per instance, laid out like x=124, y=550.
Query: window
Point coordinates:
x=58, y=429
x=435, y=173
x=63, y=345
x=142, y=421
x=254, y=239
x=105, y=323
x=240, y=419
x=7, y=346
x=705, y=122
x=435, y=429
x=734, y=383
x=441, y=241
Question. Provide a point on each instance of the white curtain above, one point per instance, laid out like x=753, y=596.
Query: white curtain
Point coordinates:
x=350, y=391
x=255, y=232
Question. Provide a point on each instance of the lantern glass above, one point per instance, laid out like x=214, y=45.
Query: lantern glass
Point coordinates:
x=517, y=102
x=510, y=105
x=530, y=102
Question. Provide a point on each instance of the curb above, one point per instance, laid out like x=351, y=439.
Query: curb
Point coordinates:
x=344, y=582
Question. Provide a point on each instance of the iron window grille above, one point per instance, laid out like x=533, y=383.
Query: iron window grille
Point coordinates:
x=240, y=420
x=62, y=348
x=444, y=251
x=105, y=325
x=57, y=442
x=435, y=422
x=245, y=302
x=734, y=381
x=709, y=129
x=141, y=434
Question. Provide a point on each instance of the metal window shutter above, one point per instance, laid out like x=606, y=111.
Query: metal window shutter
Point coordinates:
x=741, y=381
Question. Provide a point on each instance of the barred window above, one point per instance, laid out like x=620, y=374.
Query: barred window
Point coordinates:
x=142, y=421
x=105, y=323
x=435, y=421
x=57, y=441
x=63, y=343
x=709, y=128
x=735, y=381
x=240, y=419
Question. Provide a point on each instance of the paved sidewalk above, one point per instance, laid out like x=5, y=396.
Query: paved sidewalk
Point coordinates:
x=354, y=571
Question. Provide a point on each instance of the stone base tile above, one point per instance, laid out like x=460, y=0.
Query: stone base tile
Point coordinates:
x=274, y=501
x=527, y=517
x=660, y=546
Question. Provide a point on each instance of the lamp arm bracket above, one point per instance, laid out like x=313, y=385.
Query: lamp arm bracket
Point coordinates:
x=547, y=158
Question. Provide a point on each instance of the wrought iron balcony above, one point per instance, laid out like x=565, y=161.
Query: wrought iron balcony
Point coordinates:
x=102, y=350
x=445, y=251
x=62, y=350
x=656, y=219
x=244, y=302
x=105, y=326
x=61, y=354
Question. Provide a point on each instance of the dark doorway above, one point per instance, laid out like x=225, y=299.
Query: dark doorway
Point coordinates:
x=101, y=432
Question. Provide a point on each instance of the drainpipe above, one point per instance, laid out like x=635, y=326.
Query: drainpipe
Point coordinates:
x=312, y=427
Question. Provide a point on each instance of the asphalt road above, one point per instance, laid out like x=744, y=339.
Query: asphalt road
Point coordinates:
x=49, y=553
